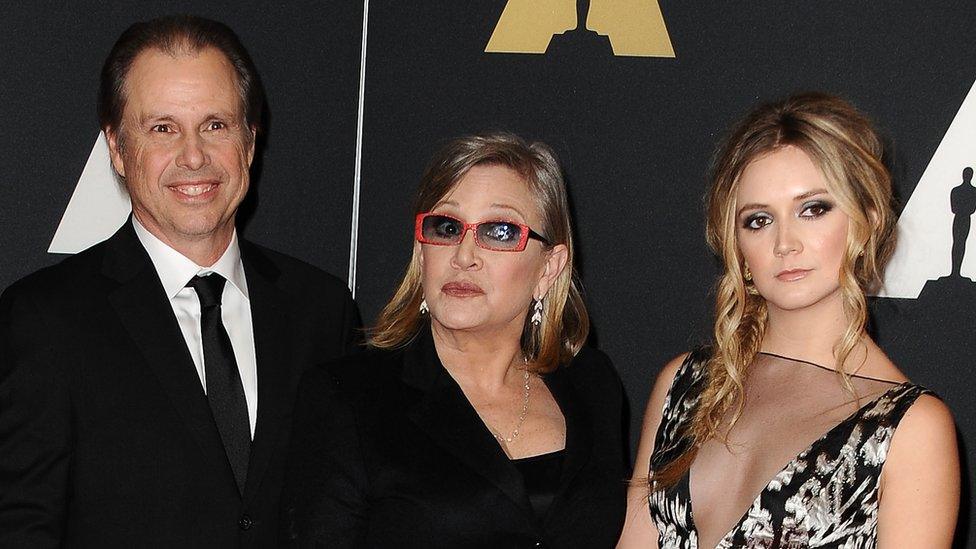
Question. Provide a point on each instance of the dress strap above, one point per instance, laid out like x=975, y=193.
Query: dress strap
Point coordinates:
x=679, y=407
x=885, y=413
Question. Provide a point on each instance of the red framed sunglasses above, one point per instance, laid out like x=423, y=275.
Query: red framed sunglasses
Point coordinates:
x=500, y=236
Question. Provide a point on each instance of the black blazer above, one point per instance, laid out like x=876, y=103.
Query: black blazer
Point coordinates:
x=106, y=436
x=388, y=452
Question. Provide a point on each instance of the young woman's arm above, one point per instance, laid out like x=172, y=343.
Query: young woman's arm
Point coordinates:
x=639, y=531
x=920, y=484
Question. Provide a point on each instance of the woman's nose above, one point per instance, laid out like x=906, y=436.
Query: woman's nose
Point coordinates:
x=787, y=240
x=467, y=254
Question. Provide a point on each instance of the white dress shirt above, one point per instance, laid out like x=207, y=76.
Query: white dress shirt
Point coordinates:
x=175, y=270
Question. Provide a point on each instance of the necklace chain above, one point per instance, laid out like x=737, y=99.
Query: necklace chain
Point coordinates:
x=523, y=413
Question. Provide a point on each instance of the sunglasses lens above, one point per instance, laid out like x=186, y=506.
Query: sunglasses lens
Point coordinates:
x=440, y=229
x=500, y=235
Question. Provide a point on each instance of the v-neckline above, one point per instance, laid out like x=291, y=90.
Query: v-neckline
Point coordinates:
x=693, y=527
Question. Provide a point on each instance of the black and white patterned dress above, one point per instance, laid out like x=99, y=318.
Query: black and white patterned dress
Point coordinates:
x=827, y=496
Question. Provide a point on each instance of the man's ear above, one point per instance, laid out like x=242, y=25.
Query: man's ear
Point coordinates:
x=115, y=153
x=254, y=138
x=556, y=262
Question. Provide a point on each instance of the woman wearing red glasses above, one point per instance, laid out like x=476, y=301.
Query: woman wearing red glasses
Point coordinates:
x=477, y=418
x=795, y=430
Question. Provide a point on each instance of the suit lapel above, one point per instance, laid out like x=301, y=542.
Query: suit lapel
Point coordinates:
x=144, y=311
x=270, y=318
x=446, y=416
x=579, y=436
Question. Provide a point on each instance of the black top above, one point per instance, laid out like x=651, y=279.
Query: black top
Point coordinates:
x=541, y=476
x=388, y=452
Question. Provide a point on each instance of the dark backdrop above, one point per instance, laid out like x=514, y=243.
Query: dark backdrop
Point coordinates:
x=634, y=134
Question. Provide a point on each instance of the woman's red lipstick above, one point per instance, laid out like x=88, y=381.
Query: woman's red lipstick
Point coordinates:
x=461, y=289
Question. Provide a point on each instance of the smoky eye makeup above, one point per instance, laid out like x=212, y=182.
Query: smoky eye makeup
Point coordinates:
x=756, y=221
x=815, y=208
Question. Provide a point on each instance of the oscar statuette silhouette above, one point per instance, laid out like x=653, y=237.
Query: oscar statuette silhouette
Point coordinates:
x=962, y=200
x=580, y=41
x=950, y=289
x=944, y=308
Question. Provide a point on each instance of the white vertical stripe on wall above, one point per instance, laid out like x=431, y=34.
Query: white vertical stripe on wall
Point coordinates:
x=357, y=177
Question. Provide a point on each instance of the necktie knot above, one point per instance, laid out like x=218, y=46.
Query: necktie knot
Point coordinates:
x=209, y=289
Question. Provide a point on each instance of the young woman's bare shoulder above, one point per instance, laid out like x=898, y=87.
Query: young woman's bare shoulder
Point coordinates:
x=662, y=384
x=926, y=435
x=927, y=420
x=667, y=373
x=877, y=365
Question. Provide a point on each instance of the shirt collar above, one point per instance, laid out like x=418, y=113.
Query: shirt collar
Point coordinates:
x=175, y=269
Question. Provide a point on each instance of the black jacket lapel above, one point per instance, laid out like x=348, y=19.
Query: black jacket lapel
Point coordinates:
x=444, y=413
x=270, y=318
x=145, y=312
x=579, y=436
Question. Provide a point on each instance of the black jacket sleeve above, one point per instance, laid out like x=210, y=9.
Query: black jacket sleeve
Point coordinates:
x=35, y=426
x=324, y=503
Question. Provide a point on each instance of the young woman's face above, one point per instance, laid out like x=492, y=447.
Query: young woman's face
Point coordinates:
x=790, y=230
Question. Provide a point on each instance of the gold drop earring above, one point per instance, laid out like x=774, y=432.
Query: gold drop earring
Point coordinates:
x=747, y=275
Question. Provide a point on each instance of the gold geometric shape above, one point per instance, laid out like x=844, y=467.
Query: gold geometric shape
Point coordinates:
x=634, y=27
x=527, y=26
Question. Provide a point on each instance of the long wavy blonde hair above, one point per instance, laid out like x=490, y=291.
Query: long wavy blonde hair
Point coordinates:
x=565, y=323
x=843, y=145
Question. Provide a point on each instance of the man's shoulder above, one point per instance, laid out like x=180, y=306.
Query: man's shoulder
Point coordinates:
x=290, y=270
x=363, y=372
x=67, y=276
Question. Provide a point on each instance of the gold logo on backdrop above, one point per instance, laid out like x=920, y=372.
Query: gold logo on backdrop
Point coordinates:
x=634, y=27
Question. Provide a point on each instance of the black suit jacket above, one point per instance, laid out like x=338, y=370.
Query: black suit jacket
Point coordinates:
x=388, y=452
x=106, y=436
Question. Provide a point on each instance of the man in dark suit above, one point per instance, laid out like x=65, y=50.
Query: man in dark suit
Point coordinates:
x=146, y=384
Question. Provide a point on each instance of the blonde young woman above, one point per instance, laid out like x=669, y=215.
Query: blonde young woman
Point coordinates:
x=477, y=418
x=794, y=429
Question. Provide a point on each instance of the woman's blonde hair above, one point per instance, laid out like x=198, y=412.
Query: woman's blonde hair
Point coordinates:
x=841, y=142
x=565, y=324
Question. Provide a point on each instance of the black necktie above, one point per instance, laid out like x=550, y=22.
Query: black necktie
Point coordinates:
x=224, y=388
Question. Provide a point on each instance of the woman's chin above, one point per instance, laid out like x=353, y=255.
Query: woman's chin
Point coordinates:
x=459, y=322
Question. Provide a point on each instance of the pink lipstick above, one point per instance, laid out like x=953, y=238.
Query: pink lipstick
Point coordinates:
x=792, y=275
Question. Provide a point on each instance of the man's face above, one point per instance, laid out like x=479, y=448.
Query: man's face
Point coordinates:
x=186, y=148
